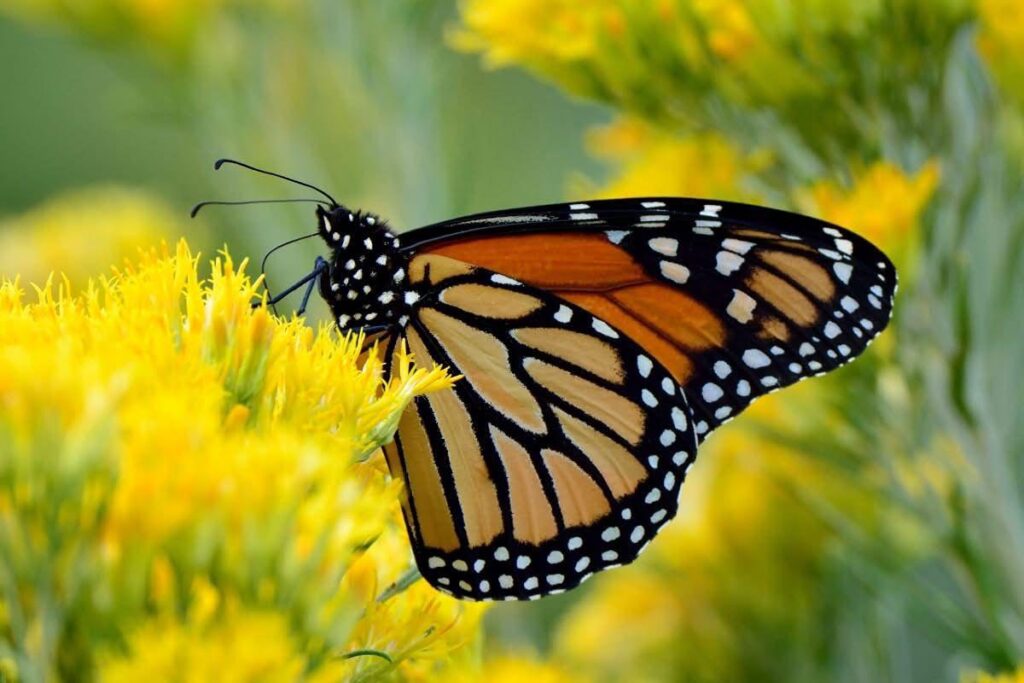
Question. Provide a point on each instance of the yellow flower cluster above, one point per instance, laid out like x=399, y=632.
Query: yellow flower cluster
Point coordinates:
x=758, y=50
x=182, y=476
x=516, y=32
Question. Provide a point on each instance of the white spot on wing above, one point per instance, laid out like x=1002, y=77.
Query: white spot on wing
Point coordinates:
x=711, y=392
x=739, y=246
x=605, y=329
x=727, y=262
x=500, y=279
x=664, y=245
x=675, y=272
x=843, y=272
x=742, y=306
x=755, y=358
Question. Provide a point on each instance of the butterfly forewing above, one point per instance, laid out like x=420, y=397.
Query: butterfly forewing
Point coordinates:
x=734, y=300
x=560, y=452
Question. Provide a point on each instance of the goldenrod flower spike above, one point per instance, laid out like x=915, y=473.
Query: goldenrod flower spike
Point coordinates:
x=190, y=468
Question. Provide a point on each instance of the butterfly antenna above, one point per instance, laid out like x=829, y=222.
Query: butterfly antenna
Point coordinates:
x=221, y=162
x=263, y=264
x=200, y=205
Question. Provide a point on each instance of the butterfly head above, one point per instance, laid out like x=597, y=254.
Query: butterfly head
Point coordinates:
x=363, y=283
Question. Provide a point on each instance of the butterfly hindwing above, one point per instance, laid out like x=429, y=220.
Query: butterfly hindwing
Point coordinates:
x=559, y=453
x=735, y=300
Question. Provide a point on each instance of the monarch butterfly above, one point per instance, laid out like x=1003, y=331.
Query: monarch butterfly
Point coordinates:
x=600, y=342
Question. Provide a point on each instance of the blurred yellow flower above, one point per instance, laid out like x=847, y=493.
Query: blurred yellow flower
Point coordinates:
x=731, y=29
x=523, y=31
x=651, y=162
x=1001, y=40
x=164, y=27
x=520, y=667
x=883, y=203
x=167, y=451
x=740, y=568
x=82, y=232
x=241, y=646
x=1008, y=677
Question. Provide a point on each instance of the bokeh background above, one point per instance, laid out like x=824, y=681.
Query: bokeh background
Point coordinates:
x=866, y=526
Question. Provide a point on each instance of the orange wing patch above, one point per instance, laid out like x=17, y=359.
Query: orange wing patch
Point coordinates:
x=532, y=519
x=581, y=350
x=484, y=361
x=675, y=360
x=580, y=500
x=434, y=519
x=621, y=415
x=550, y=261
x=477, y=496
x=804, y=271
x=490, y=302
x=674, y=315
x=619, y=468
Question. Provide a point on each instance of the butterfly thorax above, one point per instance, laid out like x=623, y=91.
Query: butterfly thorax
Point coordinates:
x=365, y=278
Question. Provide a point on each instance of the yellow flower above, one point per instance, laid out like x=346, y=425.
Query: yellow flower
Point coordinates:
x=165, y=450
x=516, y=667
x=884, y=203
x=525, y=31
x=242, y=645
x=164, y=27
x=981, y=677
x=731, y=29
x=1001, y=41
x=439, y=634
x=650, y=162
x=81, y=233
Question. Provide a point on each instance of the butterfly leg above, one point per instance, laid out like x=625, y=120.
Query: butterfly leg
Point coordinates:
x=319, y=266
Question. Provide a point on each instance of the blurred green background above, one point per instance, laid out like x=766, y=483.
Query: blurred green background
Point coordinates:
x=364, y=99
x=867, y=526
